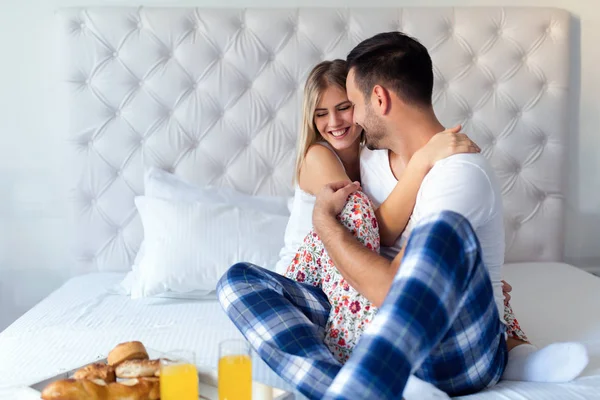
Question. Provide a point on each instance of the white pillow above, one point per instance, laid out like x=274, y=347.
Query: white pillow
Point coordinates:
x=164, y=185
x=190, y=245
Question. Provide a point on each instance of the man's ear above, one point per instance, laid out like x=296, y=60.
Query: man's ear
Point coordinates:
x=381, y=100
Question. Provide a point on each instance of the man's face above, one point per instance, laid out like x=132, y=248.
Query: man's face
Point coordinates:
x=365, y=116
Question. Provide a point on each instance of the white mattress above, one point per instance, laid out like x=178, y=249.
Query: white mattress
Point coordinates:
x=82, y=321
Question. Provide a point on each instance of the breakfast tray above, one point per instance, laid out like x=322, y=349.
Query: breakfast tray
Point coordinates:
x=207, y=385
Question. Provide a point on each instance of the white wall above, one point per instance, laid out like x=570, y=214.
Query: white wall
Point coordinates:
x=34, y=255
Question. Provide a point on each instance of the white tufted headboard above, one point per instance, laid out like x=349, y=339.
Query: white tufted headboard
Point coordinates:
x=215, y=94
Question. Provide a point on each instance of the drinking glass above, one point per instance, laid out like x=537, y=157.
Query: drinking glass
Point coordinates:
x=178, y=376
x=235, y=370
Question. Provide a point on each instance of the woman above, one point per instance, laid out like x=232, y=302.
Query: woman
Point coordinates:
x=328, y=151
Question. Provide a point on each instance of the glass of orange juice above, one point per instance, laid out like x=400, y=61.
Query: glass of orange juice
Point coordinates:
x=178, y=376
x=235, y=370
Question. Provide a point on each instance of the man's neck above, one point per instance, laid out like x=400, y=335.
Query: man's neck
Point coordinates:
x=410, y=137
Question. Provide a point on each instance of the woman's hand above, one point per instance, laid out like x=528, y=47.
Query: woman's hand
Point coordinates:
x=445, y=144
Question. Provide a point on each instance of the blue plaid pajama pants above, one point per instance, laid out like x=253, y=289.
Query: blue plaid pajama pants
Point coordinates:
x=439, y=321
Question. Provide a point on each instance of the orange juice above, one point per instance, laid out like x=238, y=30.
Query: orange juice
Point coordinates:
x=235, y=377
x=178, y=382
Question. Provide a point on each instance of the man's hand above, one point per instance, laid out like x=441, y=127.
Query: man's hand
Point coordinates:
x=330, y=200
x=506, y=289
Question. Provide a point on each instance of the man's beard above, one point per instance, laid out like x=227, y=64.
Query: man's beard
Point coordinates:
x=374, y=132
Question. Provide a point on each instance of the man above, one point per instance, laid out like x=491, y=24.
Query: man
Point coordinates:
x=457, y=224
x=438, y=316
x=390, y=83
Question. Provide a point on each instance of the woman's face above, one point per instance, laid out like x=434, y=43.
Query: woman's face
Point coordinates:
x=333, y=119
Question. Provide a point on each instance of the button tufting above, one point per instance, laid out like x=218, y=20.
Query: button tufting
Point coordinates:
x=509, y=93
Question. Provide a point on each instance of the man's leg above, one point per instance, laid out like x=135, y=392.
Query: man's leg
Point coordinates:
x=439, y=320
x=284, y=321
x=557, y=362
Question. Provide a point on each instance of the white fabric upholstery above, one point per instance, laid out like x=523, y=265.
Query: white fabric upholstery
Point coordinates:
x=214, y=95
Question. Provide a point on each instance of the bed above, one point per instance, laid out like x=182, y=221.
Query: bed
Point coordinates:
x=214, y=95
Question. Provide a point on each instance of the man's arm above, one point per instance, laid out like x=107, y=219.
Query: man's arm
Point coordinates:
x=465, y=190
x=366, y=271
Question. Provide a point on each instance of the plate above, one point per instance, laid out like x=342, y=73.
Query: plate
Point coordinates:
x=208, y=385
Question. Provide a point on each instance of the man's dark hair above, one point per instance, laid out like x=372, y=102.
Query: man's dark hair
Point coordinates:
x=396, y=61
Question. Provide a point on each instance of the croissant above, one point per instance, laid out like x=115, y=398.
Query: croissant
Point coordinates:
x=96, y=371
x=132, y=389
x=138, y=368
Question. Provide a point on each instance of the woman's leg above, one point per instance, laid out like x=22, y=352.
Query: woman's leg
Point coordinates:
x=350, y=311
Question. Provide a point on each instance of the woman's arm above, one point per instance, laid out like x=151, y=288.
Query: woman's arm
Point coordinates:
x=395, y=211
x=320, y=167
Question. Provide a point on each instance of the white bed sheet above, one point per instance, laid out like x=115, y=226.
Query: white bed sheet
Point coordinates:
x=82, y=321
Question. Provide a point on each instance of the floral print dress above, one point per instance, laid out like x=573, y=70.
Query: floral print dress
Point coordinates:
x=350, y=311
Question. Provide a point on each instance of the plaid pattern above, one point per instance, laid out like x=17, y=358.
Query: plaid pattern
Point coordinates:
x=438, y=321
x=284, y=321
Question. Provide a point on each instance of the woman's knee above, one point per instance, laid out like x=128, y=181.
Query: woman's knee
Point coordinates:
x=359, y=217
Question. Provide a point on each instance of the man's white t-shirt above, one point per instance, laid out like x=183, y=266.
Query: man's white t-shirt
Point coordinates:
x=463, y=183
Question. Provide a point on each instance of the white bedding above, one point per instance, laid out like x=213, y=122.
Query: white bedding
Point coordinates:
x=82, y=321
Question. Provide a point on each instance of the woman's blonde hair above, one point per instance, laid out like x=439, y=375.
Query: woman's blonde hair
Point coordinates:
x=323, y=75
